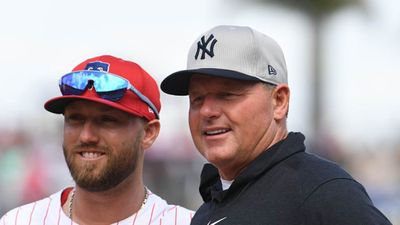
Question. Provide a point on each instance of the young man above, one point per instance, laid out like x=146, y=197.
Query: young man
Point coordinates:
x=259, y=173
x=110, y=109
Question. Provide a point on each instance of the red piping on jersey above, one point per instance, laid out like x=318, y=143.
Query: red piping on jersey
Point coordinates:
x=134, y=220
x=47, y=211
x=16, y=216
x=33, y=209
x=176, y=214
x=151, y=215
x=59, y=212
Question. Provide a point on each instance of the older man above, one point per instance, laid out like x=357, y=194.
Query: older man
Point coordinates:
x=259, y=173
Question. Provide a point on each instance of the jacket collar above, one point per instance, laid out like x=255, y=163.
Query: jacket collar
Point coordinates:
x=210, y=185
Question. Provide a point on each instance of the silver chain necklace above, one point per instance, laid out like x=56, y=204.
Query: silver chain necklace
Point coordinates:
x=146, y=195
x=70, y=203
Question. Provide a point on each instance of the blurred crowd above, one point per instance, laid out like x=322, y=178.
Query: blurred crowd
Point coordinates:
x=32, y=166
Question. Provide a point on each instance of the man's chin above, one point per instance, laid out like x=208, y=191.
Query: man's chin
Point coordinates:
x=90, y=180
x=93, y=185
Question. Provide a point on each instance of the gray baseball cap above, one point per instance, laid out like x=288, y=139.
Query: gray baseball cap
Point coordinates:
x=235, y=52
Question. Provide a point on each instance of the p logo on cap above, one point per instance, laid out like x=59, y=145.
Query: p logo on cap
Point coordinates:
x=99, y=66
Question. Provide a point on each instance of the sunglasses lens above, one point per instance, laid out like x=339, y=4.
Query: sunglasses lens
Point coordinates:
x=112, y=95
x=68, y=90
x=76, y=83
x=108, y=83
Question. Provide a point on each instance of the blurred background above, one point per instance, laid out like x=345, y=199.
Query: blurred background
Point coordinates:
x=343, y=59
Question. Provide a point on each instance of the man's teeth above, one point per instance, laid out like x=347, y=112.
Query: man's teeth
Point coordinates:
x=91, y=155
x=214, y=132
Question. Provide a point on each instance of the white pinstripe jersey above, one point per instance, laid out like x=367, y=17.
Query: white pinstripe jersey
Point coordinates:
x=48, y=211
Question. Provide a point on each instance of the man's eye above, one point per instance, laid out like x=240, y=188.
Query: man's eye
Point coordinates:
x=227, y=95
x=109, y=119
x=74, y=118
x=196, y=100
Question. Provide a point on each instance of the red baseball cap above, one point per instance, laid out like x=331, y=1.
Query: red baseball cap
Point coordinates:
x=130, y=102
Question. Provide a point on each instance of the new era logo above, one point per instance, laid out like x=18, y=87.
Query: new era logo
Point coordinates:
x=271, y=70
x=206, y=47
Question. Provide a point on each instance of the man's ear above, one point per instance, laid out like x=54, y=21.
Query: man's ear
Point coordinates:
x=281, y=96
x=151, y=131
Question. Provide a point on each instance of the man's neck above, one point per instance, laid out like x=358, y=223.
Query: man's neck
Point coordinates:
x=106, y=207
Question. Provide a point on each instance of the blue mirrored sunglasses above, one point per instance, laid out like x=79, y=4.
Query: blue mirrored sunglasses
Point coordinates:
x=108, y=86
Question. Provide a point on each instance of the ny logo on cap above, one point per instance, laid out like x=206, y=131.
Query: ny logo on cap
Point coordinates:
x=99, y=66
x=203, y=44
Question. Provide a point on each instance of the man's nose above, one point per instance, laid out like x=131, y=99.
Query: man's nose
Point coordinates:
x=210, y=108
x=89, y=133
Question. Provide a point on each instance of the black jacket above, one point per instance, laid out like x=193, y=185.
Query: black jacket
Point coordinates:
x=286, y=186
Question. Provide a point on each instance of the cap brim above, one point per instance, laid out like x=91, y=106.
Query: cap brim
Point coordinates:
x=57, y=105
x=178, y=83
